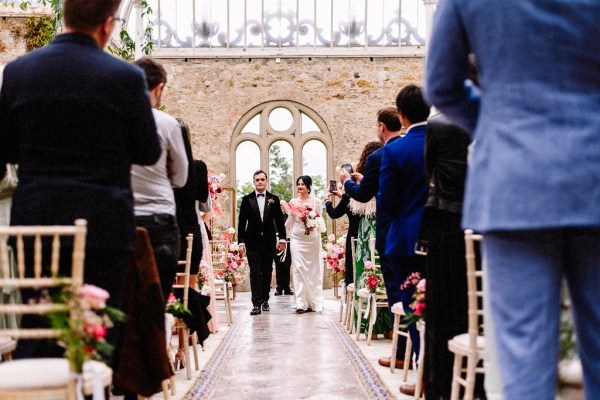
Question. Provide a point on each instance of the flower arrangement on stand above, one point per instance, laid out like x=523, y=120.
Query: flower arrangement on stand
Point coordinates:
x=309, y=217
x=215, y=187
x=202, y=276
x=236, y=266
x=84, y=326
x=336, y=256
x=372, y=279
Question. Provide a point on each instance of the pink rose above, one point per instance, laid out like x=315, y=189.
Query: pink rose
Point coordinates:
x=94, y=296
x=421, y=285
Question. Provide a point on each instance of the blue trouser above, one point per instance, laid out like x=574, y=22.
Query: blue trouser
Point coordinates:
x=525, y=271
x=395, y=269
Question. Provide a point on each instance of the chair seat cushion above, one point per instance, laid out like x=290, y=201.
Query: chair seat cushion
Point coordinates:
x=42, y=373
x=460, y=344
x=34, y=373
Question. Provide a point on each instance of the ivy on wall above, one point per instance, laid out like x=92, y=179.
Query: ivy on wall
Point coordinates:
x=41, y=30
x=38, y=32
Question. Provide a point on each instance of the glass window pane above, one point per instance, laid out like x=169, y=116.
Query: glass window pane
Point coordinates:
x=281, y=119
x=308, y=124
x=306, y=23
x=253, y=24
x=247, y=160
x=324, y=23
x=314, y=164
x=236, y=23
x=281, y=169
x=252, y=126
x=375, y=23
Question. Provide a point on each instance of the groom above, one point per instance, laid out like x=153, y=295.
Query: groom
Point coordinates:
x=260, y=224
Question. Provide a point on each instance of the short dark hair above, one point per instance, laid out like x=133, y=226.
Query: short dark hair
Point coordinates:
x=411, y=103
x=258, y=172
x=86, y=15
x=389, y=117
x=155, y=73
x=307, y=180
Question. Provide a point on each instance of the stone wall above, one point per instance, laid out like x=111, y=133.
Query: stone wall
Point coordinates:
x=212, y=95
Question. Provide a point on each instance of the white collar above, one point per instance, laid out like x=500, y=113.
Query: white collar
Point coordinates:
x=415, y=125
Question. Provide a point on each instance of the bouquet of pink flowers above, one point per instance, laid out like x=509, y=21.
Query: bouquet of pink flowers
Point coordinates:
x=85, y=325
x=335, y=255
x=309, y=217
x=372, y=279
x=214, y=188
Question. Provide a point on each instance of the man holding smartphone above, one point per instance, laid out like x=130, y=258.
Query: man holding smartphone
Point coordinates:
x=367, y=186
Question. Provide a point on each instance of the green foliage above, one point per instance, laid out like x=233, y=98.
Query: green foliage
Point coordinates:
x=282, y=182
x=126, y=50
x=39, y=32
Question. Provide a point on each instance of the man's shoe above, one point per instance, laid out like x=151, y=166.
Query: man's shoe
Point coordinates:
x=255, y=310
x=407, y=390
x=300, y=311
x=278, y=293
x=265, y=306
x=385, y=362
x=288, y=292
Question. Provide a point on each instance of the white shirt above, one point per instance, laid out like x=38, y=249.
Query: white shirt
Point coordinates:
x=153, y=185
x=260, y=200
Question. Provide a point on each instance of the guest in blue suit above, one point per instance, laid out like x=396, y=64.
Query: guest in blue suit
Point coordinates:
x=533, y=184
x=401, y=198
x=75, y=119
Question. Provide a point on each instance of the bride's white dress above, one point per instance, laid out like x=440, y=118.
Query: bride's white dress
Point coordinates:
x=307, y=258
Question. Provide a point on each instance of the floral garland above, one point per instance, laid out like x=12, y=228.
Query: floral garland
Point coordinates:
x=236, y=266
x=215, y=188
x=335, y=255
x=414, y=281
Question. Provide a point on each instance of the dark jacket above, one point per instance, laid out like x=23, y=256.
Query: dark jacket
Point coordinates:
x=254, y=232
x=446, y=148
x=75, y=119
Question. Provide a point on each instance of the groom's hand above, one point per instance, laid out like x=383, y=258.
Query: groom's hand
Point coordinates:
x=241, y=250
x=281, y=246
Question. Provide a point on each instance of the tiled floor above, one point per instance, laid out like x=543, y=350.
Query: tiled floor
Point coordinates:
x=280, y=354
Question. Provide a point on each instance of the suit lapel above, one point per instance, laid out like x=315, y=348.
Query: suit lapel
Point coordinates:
x=254, y=204
x=267, y=209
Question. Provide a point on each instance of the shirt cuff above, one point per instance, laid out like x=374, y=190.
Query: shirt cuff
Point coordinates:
x=282, y=241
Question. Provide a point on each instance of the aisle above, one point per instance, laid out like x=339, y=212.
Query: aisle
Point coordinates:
x=280, y=354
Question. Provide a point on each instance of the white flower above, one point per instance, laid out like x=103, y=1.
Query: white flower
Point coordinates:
x=329, y=247
x=234, y=247
x=342, y=241
x=331, y=238
x=312, y=223
x=337, y=249
x=222, y=176
x=312, y=214
x=231, y=230
x=214, y=186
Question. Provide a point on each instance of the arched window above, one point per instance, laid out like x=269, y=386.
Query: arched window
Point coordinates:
x=285, y=139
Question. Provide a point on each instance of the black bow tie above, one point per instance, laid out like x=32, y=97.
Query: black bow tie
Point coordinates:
x=260, y=195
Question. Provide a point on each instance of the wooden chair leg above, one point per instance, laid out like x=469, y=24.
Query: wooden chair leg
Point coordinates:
x=186, y=352
x=470, y=377
x=455, y=377
x=395, y=328
x=359, y=315
x=372, y=313
x=165, y=388
x=195, y=350
x=407, y=358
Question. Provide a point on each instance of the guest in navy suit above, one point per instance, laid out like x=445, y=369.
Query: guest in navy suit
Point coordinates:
x=533, y=186
x=75, y=119
x=388, y=131
x=401, y=198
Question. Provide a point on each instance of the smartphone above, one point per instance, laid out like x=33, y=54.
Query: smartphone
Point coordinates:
x=348, y=167
x=332, y=186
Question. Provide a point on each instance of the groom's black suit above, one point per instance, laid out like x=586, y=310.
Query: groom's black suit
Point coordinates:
x=260, y=238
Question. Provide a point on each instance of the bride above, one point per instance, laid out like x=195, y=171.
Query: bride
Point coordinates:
x=304, y=227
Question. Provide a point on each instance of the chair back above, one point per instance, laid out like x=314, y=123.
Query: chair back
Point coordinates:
x=373, y=252
x=474, y=286
x=186, y=274
x=37, y=250
x=353, y=242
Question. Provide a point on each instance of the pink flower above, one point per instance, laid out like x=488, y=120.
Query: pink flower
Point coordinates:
x=419, y=308
x=369, y=265
x=372, y=282
x=94, y=296
x=421, y=285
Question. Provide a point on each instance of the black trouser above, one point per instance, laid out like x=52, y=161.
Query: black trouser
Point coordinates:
x=260, y=260
x=282, y=270
x=164, y=236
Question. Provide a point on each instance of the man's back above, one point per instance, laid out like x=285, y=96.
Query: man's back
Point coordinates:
x=74, y=127
x=537, y=119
